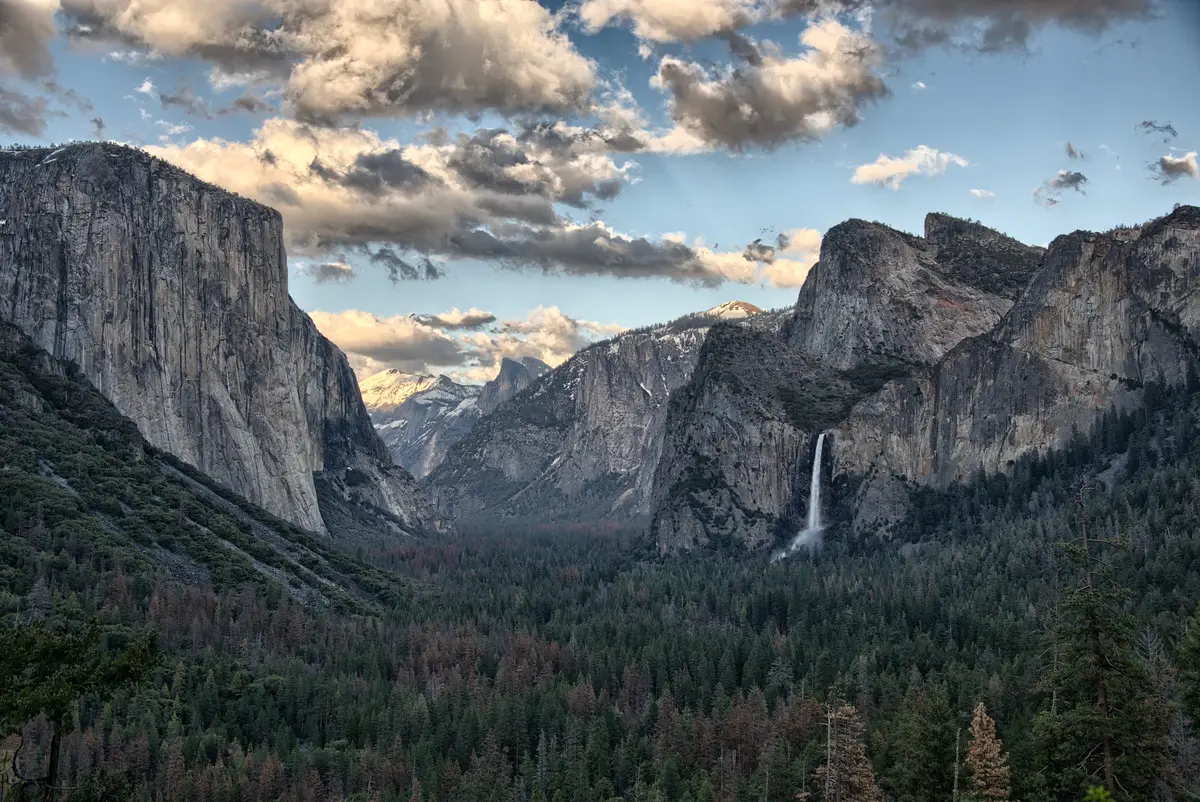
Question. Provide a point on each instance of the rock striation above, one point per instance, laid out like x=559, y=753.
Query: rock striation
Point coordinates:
x=171, y=296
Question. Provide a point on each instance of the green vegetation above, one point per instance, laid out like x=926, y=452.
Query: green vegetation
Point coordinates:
x=567, y=665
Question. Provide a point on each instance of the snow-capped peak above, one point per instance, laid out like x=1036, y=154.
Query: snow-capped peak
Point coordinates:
x=733, y=310
x=391, y=388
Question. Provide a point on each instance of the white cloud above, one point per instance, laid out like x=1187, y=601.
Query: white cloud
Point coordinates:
x=1171, y=168
x=147, y=88
x=918, y=85
x=670, y=20
x=777, y=99
x=362, y=58
x=985, y=194
x=888, y=171
x=407, y=342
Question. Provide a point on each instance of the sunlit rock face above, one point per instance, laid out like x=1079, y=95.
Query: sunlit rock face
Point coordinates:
x=171, y=295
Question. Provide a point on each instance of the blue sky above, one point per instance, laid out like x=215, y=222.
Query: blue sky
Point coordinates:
x=1008, y=115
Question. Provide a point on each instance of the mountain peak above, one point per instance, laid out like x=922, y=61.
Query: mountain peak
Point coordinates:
x=732, y=310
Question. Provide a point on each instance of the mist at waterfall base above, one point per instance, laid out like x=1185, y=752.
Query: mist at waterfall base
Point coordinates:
x=810, y=536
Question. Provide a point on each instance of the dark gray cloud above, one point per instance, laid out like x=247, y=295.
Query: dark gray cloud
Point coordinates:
x=247, y=104
x=757, y=251
x=187, y=100
x=472, y=319
x=982, y=25
x=25, y=35
x=1151, y=127
x=584, y=250
x=22, y=114
x=98, y=127
x=376, y=173
x=401, y=269
x=1050, y=193
x=742, y=47
x=338, y=272
x=1075, y=153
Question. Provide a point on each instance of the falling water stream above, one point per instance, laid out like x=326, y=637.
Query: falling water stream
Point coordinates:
x=811, y=536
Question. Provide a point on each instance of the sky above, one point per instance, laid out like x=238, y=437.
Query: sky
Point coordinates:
x=463, y=180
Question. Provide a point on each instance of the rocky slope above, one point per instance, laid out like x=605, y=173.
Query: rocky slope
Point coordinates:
x=879, y=304
x=421, y=417
x=1106, y=314
x=960, y=352
x=583, y=441
x=171, y=295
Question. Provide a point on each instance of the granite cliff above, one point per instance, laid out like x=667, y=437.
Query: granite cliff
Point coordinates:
x=927, y=359
x=171, y=296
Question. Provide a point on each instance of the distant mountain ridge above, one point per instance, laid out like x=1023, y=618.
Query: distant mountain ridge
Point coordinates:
x=420, y=417
x=582, y=442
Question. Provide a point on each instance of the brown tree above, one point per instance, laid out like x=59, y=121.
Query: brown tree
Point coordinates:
x=847, y=775
x=986, y=760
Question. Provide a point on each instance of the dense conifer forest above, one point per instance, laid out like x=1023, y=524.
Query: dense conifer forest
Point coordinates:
x=1029, y=636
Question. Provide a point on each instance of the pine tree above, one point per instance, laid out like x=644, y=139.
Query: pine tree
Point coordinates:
x=1189, y=668
x=847, y=775
x=986, y=761
x=1104, y=724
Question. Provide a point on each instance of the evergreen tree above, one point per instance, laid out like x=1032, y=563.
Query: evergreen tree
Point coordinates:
x=1189, y=668
x=986, y=762
x=1104, y=724
x=847, y=775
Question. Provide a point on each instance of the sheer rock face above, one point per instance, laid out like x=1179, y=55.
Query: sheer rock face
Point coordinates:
x=877, y=292
x=1105, y=314
x=171, y=295
x=514, y=376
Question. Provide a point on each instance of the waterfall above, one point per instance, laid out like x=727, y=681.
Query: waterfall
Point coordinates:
x=814, y=488
x=811, y=536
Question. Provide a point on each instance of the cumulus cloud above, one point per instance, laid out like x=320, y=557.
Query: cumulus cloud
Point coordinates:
x=890, y=172
x=358, y=58
x=491, y=196
x=398, y=341
x=146, y=87
x=423, y=343
x=26, y=29
x=1051, y=192
x=1171, y=168
x=22, y=114
x=983, y=194
x=327, y=272
x=670, y=20
x=779, y=99
x=788, y=261
x=98, y=127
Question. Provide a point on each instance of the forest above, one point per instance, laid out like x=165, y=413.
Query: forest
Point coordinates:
x=1027, y=636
